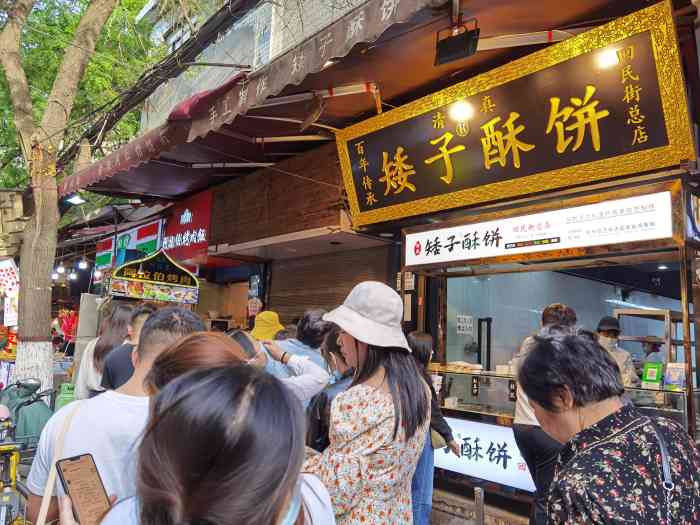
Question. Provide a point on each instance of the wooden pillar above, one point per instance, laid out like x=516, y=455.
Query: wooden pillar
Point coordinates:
x=420, y=316
x=442, y=321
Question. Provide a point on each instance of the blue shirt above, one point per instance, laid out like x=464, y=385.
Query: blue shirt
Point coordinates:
x=294, y=347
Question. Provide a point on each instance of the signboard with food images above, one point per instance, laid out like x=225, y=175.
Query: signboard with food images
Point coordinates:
x=155, y=278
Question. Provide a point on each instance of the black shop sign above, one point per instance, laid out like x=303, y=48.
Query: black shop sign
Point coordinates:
x=596, y=106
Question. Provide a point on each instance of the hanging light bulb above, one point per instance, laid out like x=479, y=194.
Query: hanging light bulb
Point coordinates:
x=140, y=273
x=61, y=269
x=72, y=276
x=54, y=276
x=97, y=274
x=83, y=264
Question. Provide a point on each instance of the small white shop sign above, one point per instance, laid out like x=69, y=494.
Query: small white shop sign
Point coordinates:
x=489, y=452
x=641, y=218
x=465, y=325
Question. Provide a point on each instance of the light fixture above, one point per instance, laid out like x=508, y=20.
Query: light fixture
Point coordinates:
x=461, y=42
x=72, y=276
x=83, y=264
x=141, y=273
x=461, y=111
x=54, y=276
x=607, y=59
x=61, y=269
x=328, y=64
x=662, y=267
x=97, y=274
x=76, y=199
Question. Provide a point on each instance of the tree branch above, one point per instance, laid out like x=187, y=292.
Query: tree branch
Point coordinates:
x=75, y=60
x=14, y=72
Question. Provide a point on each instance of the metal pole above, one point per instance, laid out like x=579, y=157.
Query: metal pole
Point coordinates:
x=687, y=346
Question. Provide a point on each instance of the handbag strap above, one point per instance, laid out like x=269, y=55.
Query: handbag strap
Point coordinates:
x=57, y=452
x=665, y=462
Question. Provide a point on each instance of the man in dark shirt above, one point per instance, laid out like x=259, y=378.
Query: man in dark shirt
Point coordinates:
x=118, y=367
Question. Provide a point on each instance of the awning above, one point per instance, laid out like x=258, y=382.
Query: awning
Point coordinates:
x=140, y=150
x=327, y=83
x=211, y=110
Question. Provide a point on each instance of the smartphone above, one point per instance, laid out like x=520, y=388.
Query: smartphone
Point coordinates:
x=82, y=482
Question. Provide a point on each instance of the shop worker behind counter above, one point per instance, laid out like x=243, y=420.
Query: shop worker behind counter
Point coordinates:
x=109, y=426
x=618, y=465
x=538, y=449
x=608, y=336
x=118, y=367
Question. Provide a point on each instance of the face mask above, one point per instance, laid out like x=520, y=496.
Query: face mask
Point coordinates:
x=293, y=511
x=607, y=342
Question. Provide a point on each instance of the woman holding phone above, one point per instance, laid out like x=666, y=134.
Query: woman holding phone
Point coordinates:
x=221, y=470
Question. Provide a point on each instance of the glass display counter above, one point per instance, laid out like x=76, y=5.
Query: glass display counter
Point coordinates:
x=480, y=408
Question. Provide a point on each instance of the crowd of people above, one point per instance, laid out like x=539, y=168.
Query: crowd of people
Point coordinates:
x=335, y=420
x=593, y=456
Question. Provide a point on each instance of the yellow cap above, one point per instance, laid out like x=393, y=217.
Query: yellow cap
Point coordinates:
x=267, y=324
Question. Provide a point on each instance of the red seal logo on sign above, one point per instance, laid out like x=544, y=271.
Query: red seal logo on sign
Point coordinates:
x=417, y=248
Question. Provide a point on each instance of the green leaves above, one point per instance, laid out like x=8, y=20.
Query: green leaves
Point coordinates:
x=123, y=52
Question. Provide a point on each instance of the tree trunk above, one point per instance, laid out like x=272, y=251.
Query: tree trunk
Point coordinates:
x=34, y=349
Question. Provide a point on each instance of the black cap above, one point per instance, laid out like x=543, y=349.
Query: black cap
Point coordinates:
x=609, y=323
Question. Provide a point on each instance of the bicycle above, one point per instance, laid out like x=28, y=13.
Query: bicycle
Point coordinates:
x=17, y=451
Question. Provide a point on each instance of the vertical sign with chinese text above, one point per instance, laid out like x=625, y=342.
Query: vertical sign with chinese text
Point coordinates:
x=187, y=228
x=605, y=103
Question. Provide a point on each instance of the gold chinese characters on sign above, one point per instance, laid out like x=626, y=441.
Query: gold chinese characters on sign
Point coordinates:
x=603, y=104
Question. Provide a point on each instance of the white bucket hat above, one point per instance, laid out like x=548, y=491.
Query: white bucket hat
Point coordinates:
x=372, y=313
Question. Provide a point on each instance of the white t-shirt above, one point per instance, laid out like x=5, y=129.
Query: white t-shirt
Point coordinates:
x=109, y=427
x=315, y=498
x=524, y=414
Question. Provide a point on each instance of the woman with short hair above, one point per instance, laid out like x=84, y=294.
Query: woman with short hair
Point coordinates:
x=618, y=466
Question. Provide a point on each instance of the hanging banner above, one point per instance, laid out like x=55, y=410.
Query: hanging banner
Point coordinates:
x=187, y=228
x=641, y=218
x=605, y=103
x=104, y=254
x=138, y=242
x=9, y=284
x=156, y=278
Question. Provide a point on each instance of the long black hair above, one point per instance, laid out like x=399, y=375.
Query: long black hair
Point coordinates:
x=406, y=385
x=422, y=350
x=207, y=456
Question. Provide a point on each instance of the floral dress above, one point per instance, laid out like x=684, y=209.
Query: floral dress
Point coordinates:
x=610, y=473
x=367, y=472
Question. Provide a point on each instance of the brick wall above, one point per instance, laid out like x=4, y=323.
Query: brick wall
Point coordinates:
x=268, y=203
x=323, y=281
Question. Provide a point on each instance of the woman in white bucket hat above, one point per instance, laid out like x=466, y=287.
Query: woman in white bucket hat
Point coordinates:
x=378, y=426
